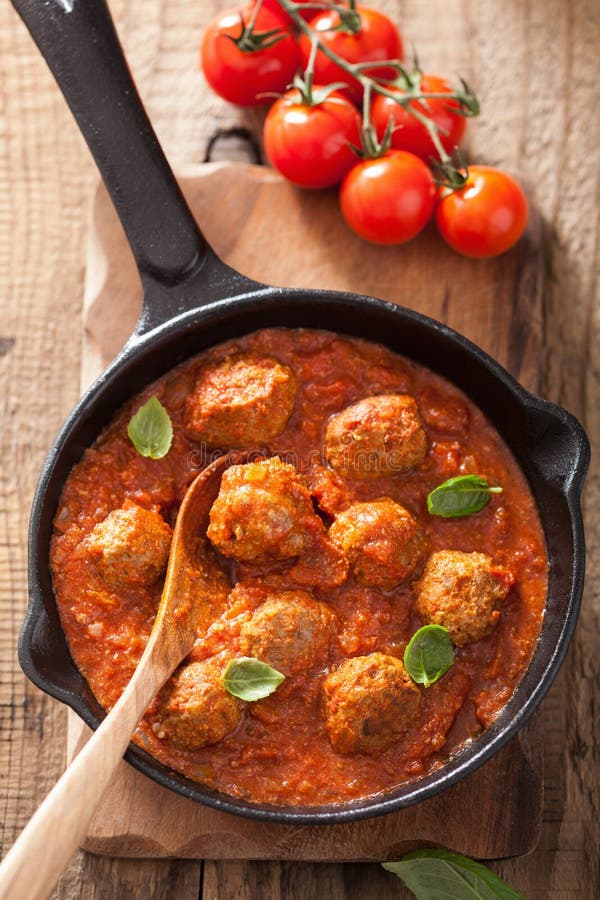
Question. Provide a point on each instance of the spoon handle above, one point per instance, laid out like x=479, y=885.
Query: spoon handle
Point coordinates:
x=42, y=851
x=78, y=41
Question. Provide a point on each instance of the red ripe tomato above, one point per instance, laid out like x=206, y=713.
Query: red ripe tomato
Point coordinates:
x=390, y=199
x=410, y=134
x=485, y=217
x=310, y=144
x=377, y=39
x=242, y=75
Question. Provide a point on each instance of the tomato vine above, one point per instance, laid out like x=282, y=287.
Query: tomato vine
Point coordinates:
x=322, y=61
x=468, y=104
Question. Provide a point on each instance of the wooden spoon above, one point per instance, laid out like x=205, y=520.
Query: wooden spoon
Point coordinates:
x=44, y=848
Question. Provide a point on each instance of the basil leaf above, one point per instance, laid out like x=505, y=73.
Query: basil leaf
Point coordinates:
x=250, y=679
x=460, y=496
x=441, y=875
x=150, y=430
x=429, y=654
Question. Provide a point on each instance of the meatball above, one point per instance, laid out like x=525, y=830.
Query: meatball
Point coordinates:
x=381, y=541
x=195, y=709
x=462, y=592
x=369, y=702
x=290, y=631
x=263, y=512
x=243, y=401
x=131, y=545
x=377, y=436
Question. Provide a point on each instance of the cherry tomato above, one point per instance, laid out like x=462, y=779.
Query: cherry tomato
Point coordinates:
x=310, y=144
x=390, y=199
x=410, y=134
x=485, y=217
x=377, y=39
x=241, y=76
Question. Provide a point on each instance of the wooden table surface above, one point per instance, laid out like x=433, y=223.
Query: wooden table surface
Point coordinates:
x=536, y=68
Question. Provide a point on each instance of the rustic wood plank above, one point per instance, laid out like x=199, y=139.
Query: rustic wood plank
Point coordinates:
x=546, y=130
x=299, y=881
x=536, y=68
x=101, y=878
x=46, y=181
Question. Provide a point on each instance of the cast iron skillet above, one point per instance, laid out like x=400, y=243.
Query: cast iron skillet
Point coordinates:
x=192, y=301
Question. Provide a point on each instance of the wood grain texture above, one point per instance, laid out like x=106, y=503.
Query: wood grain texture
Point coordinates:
x=535, y=66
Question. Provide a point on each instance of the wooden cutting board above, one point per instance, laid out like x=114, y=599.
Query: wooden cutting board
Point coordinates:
x=274, y=233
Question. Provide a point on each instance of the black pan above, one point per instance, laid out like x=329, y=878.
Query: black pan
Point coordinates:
x=192, y=301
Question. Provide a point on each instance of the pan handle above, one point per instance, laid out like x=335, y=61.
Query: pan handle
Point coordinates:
x=78, y=41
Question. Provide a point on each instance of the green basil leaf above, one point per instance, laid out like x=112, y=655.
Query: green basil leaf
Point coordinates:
x=429, y=654
x=150, y=430
x=250, y=679
x=441, y=875
x=460, y=496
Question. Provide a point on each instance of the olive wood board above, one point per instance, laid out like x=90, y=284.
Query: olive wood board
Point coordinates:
x=274, y=233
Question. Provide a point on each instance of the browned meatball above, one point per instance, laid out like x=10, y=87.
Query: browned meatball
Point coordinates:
x=195, y=709
x=377, y=436
x=131, y=546
x=369, y=702
x=263, y=512
x=290, y=631
x=462, y=592
x=381, y=540
x=243, y=401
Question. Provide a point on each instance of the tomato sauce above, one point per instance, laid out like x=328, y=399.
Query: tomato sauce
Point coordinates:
x=280, y=752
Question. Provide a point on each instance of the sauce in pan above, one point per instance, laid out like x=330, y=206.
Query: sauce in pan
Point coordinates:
x=331, y=562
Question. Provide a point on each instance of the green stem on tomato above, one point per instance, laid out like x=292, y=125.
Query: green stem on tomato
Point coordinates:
x=250, y=41
x=322, y=7
x=434, y=133
x=350, y=20
x=254, y=16
x=381, y=64
x=245, y=42
x=355, y=71
x=369, y=139
x=309, y=73
x=366, y=110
